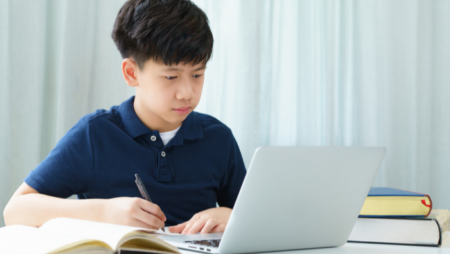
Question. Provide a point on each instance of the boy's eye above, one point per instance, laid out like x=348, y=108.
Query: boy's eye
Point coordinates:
x=170, y=77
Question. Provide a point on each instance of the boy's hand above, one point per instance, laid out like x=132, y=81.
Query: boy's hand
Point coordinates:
x=213, y=220
x=135, y=212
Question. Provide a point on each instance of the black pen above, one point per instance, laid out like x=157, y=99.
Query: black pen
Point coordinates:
x=143, y=191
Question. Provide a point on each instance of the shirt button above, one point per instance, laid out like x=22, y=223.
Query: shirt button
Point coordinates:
x=163, y=154
x=153, y=138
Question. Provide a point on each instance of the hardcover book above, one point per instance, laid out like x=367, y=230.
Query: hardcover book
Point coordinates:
x=390, y=202
x=426, y=231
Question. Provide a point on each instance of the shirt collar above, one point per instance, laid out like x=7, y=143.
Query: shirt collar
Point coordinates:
x=190, y=129
x=131, y=121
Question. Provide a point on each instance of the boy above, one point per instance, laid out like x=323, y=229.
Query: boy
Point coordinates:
x=188, y=161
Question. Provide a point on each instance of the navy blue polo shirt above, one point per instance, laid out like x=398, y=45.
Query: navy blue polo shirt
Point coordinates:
x=98, y=157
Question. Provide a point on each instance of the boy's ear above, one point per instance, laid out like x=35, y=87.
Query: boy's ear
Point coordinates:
x=129, y=71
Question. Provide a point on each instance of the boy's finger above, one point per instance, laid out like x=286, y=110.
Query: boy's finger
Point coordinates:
x=219, y=229
x=189, y=225
x=209, y=225
x=152, y=208
x=149, y=219
x=178, y=228
x=197, y=226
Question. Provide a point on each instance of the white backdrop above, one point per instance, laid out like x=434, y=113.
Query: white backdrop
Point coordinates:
x=315, y=72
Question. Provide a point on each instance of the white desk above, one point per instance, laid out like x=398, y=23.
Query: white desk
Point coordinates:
x=353, y=248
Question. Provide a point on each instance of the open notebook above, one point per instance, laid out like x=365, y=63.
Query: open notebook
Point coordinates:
x=64, y=235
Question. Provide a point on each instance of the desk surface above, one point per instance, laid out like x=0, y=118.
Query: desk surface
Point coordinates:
x=350, y=248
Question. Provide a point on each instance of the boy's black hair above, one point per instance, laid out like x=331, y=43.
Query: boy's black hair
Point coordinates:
x=172, y=30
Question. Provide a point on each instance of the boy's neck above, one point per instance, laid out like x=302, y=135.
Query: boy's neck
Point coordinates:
x=150, y=119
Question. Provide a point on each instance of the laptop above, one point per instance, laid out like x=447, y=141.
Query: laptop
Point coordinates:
x=294, y=198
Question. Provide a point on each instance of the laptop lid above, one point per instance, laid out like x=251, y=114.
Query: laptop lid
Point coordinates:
x=295, y=198
x=300, y=197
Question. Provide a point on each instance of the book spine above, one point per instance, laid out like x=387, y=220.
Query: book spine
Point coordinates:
x=440, y=232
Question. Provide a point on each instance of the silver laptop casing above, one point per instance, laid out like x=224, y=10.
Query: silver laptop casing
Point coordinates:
x=296, y=198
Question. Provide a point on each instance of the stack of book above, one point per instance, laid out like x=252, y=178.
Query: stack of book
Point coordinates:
x=400, y=217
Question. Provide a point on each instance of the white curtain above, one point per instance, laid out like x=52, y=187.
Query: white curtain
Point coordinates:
x=340, y=73
x=309, y=73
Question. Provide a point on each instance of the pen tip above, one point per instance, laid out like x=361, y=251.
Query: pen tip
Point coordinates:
x=163, y=230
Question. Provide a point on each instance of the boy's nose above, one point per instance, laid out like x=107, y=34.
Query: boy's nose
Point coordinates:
x=185, y=91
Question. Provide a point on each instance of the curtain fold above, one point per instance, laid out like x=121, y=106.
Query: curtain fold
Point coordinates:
x=306, y=73
x=341, y=73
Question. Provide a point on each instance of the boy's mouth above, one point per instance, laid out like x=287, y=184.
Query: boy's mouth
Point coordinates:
x=182, y=110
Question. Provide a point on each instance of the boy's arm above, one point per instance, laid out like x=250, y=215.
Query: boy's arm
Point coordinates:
x=28, y=207
x=68, y=170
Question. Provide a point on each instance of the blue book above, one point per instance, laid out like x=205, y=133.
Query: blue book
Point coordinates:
x=391, y=202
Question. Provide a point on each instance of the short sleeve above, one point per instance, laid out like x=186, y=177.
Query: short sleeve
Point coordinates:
x=68, y=167
x=236, y=171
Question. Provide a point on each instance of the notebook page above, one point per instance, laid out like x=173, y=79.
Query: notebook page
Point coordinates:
x=25, y=239
x=109, y=233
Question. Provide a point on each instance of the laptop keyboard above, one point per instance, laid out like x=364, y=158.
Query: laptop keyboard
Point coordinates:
x=209, y=243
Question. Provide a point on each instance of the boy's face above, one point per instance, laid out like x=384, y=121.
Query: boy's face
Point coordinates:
x=165, y=95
